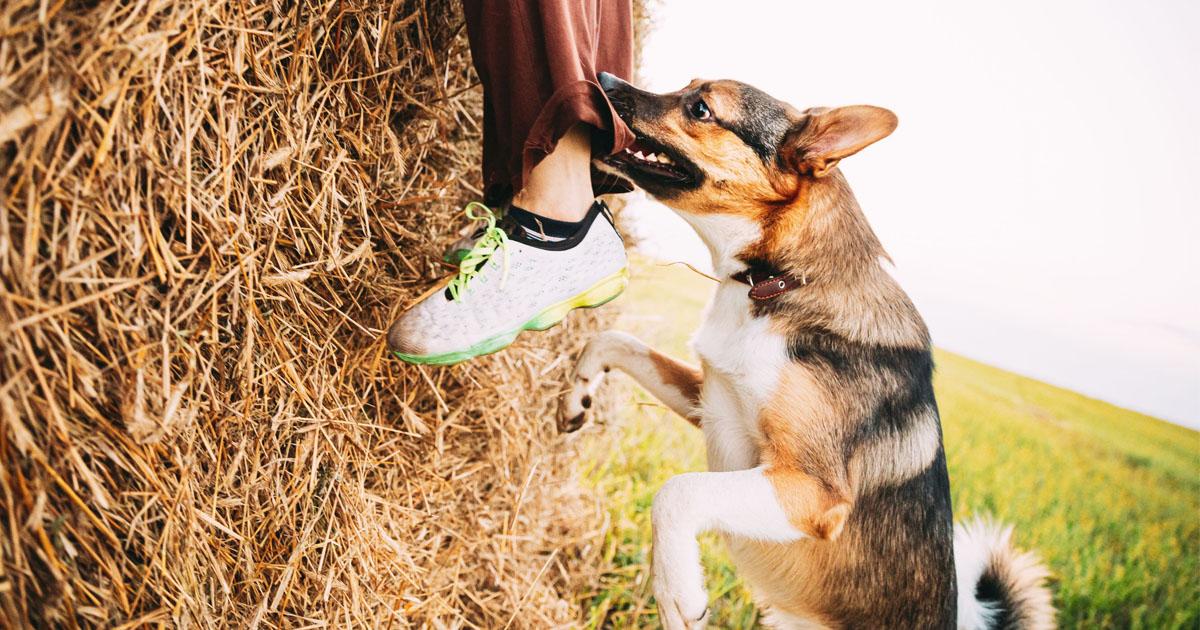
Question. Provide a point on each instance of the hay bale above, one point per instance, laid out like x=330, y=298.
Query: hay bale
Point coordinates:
x=210, y=212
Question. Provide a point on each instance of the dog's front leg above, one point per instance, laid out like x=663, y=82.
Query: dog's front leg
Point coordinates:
x=766, y=504
x=675, y=383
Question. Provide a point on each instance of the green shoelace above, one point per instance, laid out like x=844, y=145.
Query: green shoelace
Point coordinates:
x=493, y=238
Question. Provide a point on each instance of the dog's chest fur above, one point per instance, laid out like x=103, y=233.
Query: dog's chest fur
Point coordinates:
x=741, y=355
x=742, y=358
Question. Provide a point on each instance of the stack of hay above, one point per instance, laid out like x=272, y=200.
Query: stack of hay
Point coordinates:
x=209, y=212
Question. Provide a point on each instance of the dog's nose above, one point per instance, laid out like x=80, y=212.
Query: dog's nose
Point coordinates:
x=609, y=81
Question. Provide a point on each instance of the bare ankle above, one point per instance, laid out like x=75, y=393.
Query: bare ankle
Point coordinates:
x=560, y=186
x=563, y=207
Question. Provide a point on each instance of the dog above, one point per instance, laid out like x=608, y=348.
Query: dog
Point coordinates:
x=827, y=475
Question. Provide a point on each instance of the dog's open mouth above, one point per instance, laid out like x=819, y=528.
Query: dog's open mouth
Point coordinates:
x=650, y=159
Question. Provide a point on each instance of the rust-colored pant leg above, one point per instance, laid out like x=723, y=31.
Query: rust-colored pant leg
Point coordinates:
x=538, y=61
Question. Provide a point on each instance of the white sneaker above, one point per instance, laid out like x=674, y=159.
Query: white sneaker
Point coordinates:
x=511, y=281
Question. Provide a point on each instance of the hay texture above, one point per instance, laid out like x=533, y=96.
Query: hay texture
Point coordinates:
x=210, y=213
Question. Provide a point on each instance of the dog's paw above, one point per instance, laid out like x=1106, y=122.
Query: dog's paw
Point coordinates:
x=602, y=352
x=573, y=406
x=585, y=380
x=680, y=606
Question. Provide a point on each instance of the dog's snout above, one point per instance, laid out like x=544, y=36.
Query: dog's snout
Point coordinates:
x=619, y=93
x=609, y=81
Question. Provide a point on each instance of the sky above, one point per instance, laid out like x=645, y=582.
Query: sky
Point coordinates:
x=1041, y=197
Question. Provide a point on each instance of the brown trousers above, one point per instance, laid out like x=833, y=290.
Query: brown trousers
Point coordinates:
x=538, y=61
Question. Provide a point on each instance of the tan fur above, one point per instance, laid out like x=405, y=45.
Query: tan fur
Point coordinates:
x=821, y=236
x=832, y=134
x=811, y=508
x=800, y=428
x=681, y=376
x=797, y=578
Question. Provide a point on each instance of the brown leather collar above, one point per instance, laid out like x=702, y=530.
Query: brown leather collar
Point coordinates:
x=772, y=284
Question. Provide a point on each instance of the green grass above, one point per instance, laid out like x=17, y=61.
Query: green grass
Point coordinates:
x=1109, y=498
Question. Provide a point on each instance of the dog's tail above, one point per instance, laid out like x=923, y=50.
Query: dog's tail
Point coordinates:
x=999, y=587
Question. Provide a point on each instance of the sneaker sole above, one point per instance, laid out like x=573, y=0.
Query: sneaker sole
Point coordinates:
x=599, y=294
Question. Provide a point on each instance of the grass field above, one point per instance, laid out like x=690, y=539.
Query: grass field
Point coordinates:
x=1109, y=498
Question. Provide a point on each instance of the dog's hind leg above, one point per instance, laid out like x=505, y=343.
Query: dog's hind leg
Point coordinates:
x=674, y=383
x=764, y=504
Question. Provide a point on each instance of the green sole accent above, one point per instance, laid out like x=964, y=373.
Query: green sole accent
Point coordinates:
x=599, y=294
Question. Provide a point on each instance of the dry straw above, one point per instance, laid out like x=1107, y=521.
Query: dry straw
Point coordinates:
x=210, y=212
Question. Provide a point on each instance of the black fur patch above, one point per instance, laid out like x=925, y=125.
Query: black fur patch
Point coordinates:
x=907, y=526
x=910, y=580
x=762, y=124
x=991, y=589
x=867, y=367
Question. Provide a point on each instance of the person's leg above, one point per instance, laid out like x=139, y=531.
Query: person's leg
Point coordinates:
x=544, y=117
x=560, y=186
x=544, y=110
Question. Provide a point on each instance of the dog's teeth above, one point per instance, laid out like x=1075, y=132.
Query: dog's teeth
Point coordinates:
x=628, y=150
x=639, y=155
x=663, y=158
x=652, y=157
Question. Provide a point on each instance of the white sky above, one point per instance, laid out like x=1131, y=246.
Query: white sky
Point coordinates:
x=1040, y=197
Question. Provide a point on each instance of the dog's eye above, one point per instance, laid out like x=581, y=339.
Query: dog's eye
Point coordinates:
x=700, y=111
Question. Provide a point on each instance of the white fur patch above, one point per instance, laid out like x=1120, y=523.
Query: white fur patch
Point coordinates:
x=726, y=236
x=973, y=545
x=740, y=503
x=742, y=356
x=743, y=359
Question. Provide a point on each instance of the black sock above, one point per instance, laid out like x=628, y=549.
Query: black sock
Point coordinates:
x=537, y=225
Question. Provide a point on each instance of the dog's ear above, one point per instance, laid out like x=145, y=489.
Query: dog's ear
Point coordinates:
x=822, y=136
